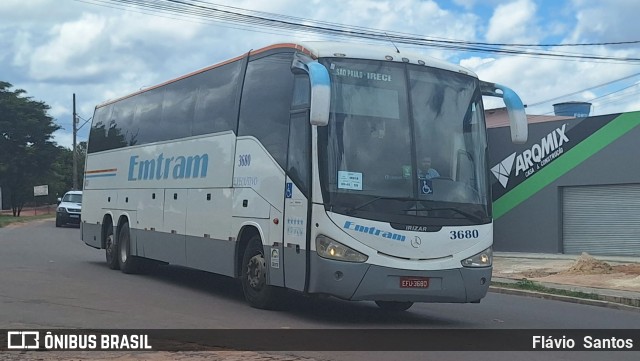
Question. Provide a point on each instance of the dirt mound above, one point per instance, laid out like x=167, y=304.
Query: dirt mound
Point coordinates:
x=630, y=269
x=587, y=265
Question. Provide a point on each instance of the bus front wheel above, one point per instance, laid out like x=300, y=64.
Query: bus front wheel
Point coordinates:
x=394, y=306
x=254, y=277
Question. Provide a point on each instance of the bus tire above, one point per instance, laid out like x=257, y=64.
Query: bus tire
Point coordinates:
x=111, y=248
x=394, y=306
x=128, y=263
x=254, y=277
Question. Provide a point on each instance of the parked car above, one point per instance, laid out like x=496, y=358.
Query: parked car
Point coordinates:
x=69, y=209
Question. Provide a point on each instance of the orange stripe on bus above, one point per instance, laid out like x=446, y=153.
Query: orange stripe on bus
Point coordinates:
x=252, y=52
x=284, y=45
x=101, y=171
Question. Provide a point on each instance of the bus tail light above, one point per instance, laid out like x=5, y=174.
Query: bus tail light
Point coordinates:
x=332, y=249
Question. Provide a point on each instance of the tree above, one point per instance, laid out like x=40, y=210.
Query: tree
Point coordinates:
x=61, y=177
x=26, y=149
x=81, y=154
x=61, y=174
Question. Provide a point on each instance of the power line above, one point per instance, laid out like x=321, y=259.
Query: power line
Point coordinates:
x=433, y=38
x=200, y=10
x=618, y=97
x=582, y=90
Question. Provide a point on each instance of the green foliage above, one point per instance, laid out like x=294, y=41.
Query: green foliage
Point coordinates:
x=7, y=220
x=81, y=154
x=528, y=284
x=26, y=149
x=61, y=174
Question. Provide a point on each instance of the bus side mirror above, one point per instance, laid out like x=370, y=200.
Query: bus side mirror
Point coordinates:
x=515, y=109
x=320, y=94
x=320, y=88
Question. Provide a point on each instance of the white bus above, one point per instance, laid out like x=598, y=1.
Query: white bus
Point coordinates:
x=297, y=166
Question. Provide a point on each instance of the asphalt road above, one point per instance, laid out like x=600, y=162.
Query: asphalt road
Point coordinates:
x=51, y=279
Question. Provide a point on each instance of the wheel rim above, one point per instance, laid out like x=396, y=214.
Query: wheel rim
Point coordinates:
x=256, y=272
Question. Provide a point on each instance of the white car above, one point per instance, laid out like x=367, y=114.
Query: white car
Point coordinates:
x=69, y=209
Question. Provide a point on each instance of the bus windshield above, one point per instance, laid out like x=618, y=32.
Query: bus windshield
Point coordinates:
x=405, y=144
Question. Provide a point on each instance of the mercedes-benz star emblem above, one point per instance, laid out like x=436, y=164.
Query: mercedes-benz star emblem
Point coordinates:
x=416, y=242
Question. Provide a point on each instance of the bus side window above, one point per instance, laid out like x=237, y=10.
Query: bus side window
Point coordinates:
x=178, y=107
x=299, y=159
x=148, y=113
x=299, y=162
x=301, y=92
x=266, y=102
x=99, y=130
x=218, y=98
x=121, y=130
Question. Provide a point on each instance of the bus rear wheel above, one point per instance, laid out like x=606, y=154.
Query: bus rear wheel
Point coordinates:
x=111, y=248
x=128, y=263
x=394, y=306
x=254, y=277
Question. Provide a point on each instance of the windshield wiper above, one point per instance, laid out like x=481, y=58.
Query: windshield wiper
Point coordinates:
x=467, y=215
x=351, y=210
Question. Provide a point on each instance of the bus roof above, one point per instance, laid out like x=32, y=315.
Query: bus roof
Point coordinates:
x=387, y=52
x=330, y=49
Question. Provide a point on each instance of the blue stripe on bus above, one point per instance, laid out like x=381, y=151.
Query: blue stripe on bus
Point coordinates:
x=101, y=175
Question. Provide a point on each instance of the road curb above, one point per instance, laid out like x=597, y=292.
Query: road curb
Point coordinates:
x=550, y=296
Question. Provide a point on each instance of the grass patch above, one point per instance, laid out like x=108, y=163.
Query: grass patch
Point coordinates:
x=6, y=220
x=528, y=285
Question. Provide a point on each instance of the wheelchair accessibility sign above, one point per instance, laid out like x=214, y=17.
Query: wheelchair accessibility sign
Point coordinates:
x=425, y=186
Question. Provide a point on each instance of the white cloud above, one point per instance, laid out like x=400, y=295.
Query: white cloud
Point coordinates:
x=537, y=80
x=476, y=63
x=22, y=48
x=613, y=20
x=53, y=49
x=70, y=44
x=513, y=23
x=64, y=139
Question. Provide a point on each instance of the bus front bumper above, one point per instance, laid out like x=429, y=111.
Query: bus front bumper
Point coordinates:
x=361, y=281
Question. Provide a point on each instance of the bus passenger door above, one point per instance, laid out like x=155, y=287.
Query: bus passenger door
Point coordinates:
x=296, y=205
x=295, y=237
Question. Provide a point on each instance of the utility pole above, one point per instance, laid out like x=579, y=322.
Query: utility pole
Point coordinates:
x=75, y=153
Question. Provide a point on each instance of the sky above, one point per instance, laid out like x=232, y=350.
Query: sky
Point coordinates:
x=100, y=50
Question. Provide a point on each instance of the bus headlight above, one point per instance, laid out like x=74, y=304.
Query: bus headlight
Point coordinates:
x=482, y=259
x=332, y=249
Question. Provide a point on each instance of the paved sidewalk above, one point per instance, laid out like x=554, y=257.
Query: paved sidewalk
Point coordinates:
x=613, y=280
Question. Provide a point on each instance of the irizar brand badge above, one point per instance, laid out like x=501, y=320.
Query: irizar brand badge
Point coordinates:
x=549, y=148
x=373, y=231
x=161, y=167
